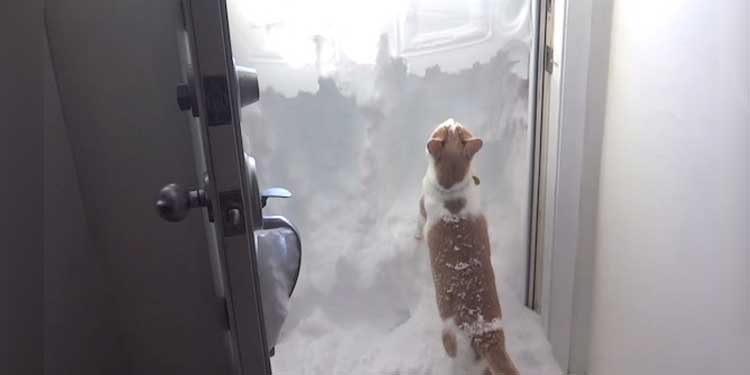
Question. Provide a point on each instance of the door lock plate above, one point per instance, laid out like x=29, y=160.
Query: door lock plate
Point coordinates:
x=231, y=212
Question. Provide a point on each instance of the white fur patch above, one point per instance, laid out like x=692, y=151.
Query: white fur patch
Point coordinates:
x=465, y=362
x=449, y=123
x=434, y=198
x=481, y=327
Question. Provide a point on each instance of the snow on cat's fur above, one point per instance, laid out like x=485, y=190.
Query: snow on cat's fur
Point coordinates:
x=458, y=240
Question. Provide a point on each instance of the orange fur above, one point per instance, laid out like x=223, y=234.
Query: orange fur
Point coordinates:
x=460, y=257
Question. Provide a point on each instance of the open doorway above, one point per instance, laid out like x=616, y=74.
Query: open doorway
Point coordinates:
x=349, y=94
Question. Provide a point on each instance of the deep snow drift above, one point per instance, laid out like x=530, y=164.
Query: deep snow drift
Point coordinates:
x=352, y=150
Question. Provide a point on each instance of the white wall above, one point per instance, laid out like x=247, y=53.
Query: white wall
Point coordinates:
x=596, y=90
x=672, y=266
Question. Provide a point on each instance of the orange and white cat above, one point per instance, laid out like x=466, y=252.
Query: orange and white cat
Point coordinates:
x=458, y=241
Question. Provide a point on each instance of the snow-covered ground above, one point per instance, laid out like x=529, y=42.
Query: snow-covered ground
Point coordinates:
x=351, y=147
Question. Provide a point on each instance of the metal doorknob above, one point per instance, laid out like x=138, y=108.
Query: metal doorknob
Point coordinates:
x=174, y=202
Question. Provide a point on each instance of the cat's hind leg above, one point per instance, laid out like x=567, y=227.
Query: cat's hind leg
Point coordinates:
x=449, y=342
x=490, y=346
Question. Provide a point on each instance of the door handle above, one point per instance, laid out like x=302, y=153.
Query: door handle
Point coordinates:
x=274, y=192
x=280, y=222
x=174, y=202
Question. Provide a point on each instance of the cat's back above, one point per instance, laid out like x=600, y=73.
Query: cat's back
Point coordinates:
x=461, y=267
x=458, y=236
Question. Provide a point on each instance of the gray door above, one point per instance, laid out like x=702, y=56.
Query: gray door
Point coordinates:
x=175, y=297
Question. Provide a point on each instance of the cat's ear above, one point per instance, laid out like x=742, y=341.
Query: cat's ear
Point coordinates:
x=434, y=146
x=472, y=146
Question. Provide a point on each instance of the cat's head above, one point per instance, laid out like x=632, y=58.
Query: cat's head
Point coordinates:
x=451, y=148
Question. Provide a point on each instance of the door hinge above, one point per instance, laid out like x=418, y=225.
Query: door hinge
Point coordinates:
x=548, y=62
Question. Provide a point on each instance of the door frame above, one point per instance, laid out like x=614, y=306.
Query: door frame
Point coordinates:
x=577, y=97
x=539, y=114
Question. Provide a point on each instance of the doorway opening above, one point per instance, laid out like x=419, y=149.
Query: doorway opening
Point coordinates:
x=350, y=91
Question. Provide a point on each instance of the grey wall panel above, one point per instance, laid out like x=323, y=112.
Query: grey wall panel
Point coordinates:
x=116, y=65
x=21, y=290
x=81, y=335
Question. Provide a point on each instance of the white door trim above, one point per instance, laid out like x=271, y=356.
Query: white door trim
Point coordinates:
x=565, y=171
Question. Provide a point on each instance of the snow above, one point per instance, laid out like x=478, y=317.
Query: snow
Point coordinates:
x=350, y=144
x=458, y=266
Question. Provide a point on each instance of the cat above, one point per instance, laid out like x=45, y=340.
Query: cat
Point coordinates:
x=456, y=233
